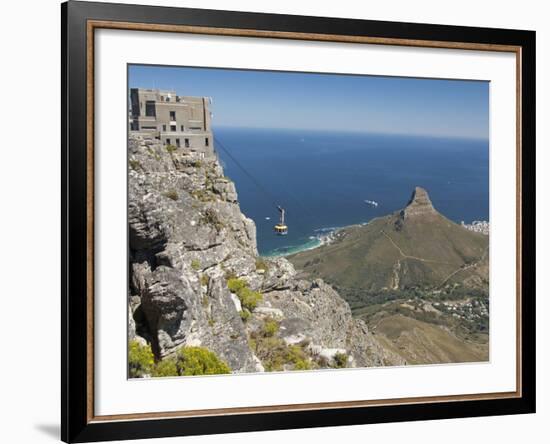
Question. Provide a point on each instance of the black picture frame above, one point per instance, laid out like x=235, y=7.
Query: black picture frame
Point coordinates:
x=77, y=316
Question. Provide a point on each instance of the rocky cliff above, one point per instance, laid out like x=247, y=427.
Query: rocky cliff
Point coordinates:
x=419, y=205
x=196, y=278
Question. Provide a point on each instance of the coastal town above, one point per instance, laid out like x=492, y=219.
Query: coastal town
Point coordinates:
x=479, y=226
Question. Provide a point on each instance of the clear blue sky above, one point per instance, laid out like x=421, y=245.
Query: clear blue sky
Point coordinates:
x=266, y=99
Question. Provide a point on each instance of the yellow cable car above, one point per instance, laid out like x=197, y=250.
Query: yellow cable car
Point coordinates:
x=281, y=229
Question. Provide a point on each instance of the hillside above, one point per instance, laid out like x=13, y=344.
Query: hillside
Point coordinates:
x=414, y=247
x=198, y=286
x=419, y=280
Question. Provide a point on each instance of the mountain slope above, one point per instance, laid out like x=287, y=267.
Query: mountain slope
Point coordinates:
x=417, y=279
x=415, y=247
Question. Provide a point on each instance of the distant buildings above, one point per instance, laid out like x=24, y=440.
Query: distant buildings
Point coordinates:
x=181, y=121
x=479, y=226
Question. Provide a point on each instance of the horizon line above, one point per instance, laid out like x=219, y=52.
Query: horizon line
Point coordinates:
x=353, y=131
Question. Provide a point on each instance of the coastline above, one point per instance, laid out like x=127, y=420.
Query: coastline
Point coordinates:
x=326, y=236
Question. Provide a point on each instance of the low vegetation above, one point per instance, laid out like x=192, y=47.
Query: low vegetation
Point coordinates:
x=135, y=164
x=203, y=195
x=210, y=217
x=270, y=327
x=140, y=360
x=245, y=315
x=249, y=298
x=199, y=361
x=166, y=367
x=171, y=194
x=261, y=265
x=273, y=351
x=340, y=360
x=188, y=361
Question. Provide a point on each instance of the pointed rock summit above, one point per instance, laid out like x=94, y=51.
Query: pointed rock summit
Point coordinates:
x=419, y=204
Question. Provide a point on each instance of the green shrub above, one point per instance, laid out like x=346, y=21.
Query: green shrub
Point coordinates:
x=340, y=360
x=140, y=360
x=170, y=148
x=235, y=284
x=302, y=364
x=172, y=194
x=249, y=298
x=245, y=315
x=190, y=361
x=166, y=367
x=199, y=361
x=273, y=351
x=195, y=264
x=270, y=327
x=261, y=265
x=134, y=164
x=205, y=280
x=297, y=356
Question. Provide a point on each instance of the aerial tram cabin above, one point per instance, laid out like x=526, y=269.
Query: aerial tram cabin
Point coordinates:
x=281, y=229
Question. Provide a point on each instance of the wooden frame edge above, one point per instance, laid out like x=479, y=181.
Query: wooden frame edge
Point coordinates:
x=285, y=408
x=235, y=32
x=92, y=25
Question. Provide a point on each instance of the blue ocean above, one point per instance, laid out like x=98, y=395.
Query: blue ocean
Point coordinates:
x=325, y=180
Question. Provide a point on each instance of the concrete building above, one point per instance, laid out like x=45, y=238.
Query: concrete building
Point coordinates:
x=180, y=121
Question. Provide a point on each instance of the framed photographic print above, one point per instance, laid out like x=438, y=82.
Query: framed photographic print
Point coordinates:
x=276, y=221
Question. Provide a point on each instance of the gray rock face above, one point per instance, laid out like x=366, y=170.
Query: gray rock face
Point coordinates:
x=419, y=204
x=187, y=238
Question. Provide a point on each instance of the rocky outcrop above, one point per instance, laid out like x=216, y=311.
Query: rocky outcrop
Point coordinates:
x=419, y=204
x=187, y=239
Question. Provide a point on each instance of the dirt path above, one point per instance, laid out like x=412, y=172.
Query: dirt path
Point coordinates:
x=395, y=280
x=467, y=267
x=407, y=256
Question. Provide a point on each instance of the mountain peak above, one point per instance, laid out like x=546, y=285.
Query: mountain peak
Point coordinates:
x=419, y=204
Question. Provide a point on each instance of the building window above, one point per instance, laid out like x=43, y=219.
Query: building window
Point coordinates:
x=178, y=143
x=163, y=127
x=186, y=143
x=167, y=141
x=173, y=128
x=150, y=108
x=182, y=128
x=172, y=116
x=206, y=141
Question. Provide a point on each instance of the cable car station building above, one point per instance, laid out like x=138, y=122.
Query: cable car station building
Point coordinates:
x=181, y=121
